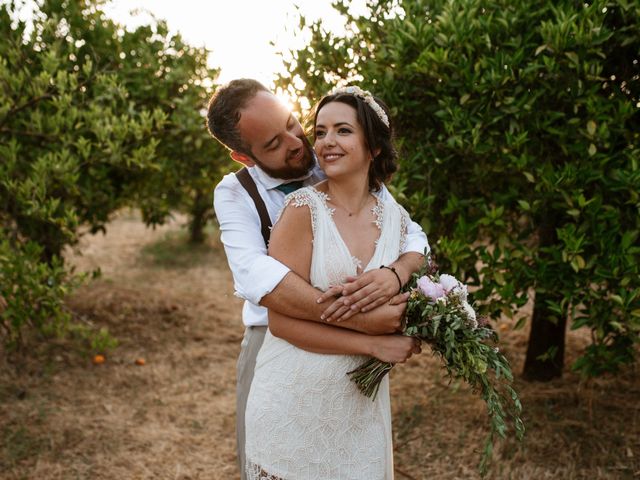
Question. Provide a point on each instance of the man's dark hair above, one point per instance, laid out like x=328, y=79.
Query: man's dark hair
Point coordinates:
x=376, y=134
x=223, y=114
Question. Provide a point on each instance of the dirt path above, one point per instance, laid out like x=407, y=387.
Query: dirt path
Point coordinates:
x=173, y=418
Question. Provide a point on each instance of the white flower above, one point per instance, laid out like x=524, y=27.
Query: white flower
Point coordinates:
x=367, y=97
x=442, y=300
x=470, y=313
x=461, y=292
x=449, y=282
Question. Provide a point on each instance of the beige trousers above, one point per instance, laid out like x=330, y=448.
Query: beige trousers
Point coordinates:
x=251, y=343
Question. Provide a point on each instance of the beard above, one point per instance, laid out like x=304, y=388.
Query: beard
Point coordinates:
x=292, y=168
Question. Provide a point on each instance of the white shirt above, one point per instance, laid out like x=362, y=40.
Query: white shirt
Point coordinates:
x=255, y=273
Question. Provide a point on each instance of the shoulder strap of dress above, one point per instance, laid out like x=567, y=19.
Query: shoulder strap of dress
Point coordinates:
x=249, y=185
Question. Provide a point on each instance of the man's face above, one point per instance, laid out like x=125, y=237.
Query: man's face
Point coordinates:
x=275, y=137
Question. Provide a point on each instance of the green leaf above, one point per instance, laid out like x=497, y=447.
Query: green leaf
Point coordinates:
x=574, y=264
x=540, y=49
x=573, y=57
x=617, y=299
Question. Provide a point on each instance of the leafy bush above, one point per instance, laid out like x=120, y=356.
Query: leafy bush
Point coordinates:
x=33, y=294
x=519, y=129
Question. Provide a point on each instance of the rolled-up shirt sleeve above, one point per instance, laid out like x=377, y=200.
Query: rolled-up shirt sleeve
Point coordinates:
x=255, y=273
x=416, y=239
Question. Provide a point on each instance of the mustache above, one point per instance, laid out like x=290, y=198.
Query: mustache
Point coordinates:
x=306, y=147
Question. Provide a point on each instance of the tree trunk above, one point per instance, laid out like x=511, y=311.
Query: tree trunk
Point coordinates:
x=51, y=247
x=547, y=335
x=199, y=217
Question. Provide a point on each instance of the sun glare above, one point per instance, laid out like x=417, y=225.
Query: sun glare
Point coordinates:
x=286, y=99
x=243, y=36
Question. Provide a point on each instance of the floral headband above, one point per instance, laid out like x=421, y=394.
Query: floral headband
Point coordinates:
x=368, y=99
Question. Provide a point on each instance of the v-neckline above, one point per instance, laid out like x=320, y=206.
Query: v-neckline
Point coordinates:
x=378, y=212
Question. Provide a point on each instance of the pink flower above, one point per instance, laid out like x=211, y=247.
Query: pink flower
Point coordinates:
x=430, y=289
x=452, y=285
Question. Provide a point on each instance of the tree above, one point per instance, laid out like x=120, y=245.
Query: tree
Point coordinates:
x=74, y=145
x=519, y=126
x=89, y=114
x=73, y=150
x=188, y=163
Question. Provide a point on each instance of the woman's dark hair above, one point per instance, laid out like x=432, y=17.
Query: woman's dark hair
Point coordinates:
x=223, y=113
x=376, y=134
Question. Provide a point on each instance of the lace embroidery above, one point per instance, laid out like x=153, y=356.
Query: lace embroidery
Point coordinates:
x=325, y=198
x=299, y=198
x=304, y=197
x=255, y=472
x=404, y=227
x=357, y=262
x=378, y=211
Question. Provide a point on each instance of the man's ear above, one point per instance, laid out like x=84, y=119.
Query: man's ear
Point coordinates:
x=242, y=158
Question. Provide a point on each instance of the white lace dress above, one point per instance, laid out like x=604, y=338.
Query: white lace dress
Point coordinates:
x=305, y=419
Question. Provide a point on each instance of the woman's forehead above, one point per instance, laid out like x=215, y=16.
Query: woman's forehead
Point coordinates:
x=336, y=112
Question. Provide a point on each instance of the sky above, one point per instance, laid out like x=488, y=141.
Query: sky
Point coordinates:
x=238, y=32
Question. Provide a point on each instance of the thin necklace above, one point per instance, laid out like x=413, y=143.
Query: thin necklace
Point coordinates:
x=347, y=211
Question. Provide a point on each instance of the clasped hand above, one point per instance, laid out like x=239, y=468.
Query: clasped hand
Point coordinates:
x=361, y=293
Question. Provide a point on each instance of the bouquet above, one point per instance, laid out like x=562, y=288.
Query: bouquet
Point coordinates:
x=438, y=313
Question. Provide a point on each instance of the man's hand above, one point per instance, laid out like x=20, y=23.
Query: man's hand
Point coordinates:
x=360, y=294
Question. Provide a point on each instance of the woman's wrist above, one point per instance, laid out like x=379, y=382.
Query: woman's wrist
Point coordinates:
x=402, y=272
x=368, y=346
x=392, y=269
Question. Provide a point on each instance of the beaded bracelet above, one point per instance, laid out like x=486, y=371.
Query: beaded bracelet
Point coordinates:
x=396, y=274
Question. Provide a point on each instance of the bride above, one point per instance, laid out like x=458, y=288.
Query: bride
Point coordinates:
x=305, y=419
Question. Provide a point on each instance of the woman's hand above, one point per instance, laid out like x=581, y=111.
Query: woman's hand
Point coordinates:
x=394, y=348
x=362, y=293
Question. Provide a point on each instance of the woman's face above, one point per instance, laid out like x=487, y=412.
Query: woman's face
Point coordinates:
x=339, y=141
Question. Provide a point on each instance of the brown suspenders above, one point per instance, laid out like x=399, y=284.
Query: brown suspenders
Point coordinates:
x=249, y=185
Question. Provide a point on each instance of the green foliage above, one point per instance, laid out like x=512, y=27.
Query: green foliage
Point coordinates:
x=519, y=129
x=32, y=294
x=187, y=163
x=92, y=118
x=74, y=145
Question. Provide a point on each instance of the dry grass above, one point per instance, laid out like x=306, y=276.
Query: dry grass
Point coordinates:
x=173, y=418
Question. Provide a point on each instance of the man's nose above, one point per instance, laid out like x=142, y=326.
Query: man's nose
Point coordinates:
x=293, y=141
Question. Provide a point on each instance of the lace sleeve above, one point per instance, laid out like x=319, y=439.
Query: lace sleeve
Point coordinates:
x=300, y=198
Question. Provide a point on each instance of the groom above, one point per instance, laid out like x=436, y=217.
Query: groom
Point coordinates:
x=267, y=139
